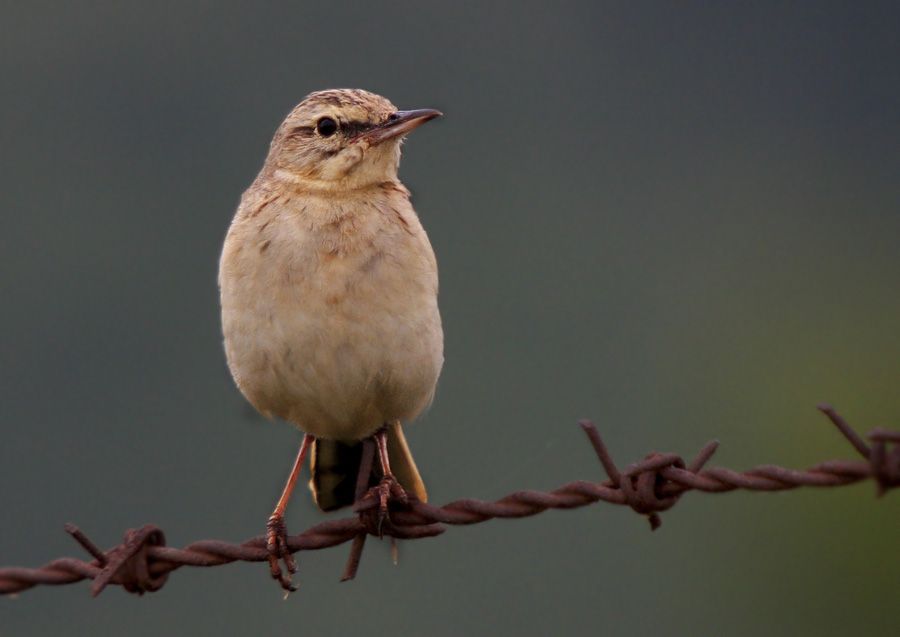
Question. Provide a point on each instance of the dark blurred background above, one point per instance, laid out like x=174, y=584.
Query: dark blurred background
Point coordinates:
x=681, y=221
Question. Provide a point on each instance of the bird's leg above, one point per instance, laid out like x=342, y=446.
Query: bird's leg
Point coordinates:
x=276, y=532
x=389, y=488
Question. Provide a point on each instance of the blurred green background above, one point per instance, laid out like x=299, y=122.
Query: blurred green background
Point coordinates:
x=679, y=219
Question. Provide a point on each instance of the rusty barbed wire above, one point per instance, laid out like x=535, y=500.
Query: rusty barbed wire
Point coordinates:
x=142, y=562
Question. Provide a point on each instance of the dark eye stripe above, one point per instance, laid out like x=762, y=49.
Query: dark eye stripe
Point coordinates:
x=350, y=129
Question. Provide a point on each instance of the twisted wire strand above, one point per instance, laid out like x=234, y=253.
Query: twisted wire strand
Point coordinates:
x=142, y=562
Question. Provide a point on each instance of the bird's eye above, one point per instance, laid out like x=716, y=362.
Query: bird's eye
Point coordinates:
x=326, y=127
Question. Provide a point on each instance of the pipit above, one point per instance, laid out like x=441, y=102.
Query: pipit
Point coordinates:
x=329, y=299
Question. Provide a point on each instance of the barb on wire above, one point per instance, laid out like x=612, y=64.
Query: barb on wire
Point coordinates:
x=142, y=562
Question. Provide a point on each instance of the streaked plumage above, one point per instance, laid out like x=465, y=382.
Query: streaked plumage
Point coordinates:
x=329, y=285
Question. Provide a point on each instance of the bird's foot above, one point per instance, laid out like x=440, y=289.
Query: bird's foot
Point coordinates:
x=277, y=546
x=388, y=490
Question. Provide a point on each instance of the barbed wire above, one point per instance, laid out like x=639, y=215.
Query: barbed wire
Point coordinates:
x=142, y=562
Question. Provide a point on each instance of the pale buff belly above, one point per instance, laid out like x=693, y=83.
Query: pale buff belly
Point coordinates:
x=337, y=349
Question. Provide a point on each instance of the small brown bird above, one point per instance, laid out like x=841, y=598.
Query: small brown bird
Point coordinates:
x=329, y=298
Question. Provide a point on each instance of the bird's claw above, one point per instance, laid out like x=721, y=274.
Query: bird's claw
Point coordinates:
x=387, y=491
x=277, y=546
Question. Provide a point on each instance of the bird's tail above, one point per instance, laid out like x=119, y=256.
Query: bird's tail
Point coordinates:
x=335, y=466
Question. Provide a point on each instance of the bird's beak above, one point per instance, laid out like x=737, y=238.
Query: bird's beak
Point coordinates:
x=399, y=123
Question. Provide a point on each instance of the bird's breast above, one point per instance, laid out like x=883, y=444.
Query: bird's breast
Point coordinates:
x=331, y=321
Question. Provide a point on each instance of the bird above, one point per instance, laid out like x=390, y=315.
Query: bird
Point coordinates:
x=329, y=297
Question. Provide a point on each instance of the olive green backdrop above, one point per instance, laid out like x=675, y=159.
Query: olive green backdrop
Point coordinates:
x=679, y=219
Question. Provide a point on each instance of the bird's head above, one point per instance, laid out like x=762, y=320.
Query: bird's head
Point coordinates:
x=342, y=139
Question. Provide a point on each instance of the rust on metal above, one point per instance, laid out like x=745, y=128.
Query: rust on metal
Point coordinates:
x=142, y=562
